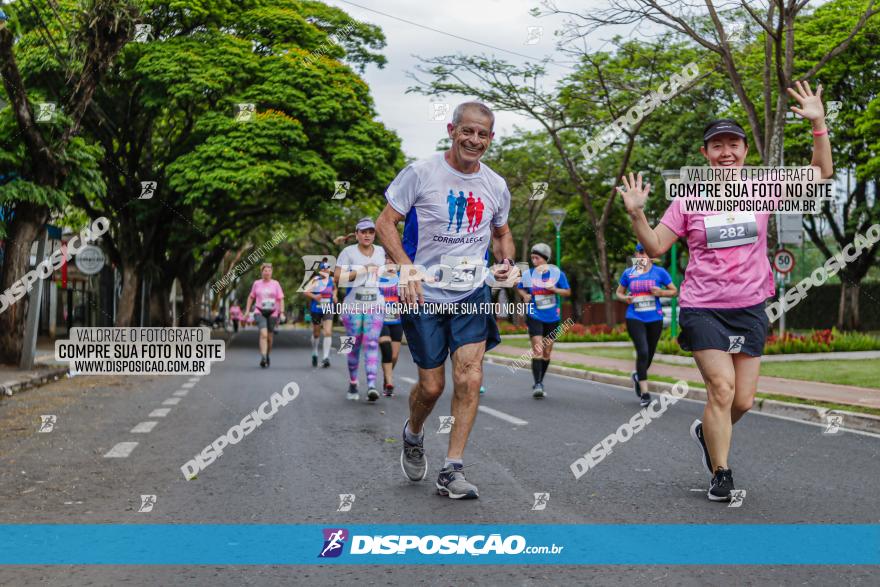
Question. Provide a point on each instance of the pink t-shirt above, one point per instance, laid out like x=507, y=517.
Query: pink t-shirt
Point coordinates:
x=235, y=312
x=268, y=292
x=732, y=277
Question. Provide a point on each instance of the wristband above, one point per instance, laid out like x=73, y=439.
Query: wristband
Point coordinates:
x=820, y=133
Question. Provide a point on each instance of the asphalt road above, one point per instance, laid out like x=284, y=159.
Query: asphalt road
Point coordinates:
x=292, y=469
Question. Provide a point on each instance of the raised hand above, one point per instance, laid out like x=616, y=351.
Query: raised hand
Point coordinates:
x=634, y=194
x=810, y=104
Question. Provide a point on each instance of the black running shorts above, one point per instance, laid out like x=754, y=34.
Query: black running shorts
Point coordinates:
x=735, y=330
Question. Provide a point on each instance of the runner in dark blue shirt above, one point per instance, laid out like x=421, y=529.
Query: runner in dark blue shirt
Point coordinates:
x=540, y=286
x=646, y=283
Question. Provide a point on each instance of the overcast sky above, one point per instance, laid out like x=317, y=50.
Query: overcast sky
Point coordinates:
x=501, y=23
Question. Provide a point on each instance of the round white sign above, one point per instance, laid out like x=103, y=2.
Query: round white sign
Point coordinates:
x=90, y=260
x=783, y=261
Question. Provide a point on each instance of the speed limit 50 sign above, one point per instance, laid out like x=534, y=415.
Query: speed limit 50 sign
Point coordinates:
x=783, y=261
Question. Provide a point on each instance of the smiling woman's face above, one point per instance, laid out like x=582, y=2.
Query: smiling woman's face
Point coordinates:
x=725, y=150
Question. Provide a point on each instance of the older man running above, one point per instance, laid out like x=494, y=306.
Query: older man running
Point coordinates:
x=457, y=273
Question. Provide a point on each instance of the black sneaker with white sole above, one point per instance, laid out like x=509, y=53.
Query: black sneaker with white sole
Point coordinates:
x=645, y=400
x=722, y=485
x=697, y=435
x=372, y=394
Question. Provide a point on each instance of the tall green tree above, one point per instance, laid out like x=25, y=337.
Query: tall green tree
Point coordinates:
x=852, y=82
x=58, y=60
x=172, y=118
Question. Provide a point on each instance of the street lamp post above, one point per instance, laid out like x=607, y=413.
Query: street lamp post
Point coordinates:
x=673, y=303
x=558, y=216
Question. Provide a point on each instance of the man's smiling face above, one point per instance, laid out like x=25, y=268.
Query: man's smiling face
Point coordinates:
x=470, y=137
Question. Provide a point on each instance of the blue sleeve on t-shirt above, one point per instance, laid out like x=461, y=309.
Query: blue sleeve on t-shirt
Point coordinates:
x=663, y=278
x=624, y=278
x=562, y=283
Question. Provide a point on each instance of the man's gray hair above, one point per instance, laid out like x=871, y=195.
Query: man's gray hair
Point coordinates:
x=484, y=110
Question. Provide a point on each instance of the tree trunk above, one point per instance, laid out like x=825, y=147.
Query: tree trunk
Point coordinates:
x=848, y=308
x=160, y=308
x=131, y=282
x=605, y=276
x=192, y=310
x=23, y=230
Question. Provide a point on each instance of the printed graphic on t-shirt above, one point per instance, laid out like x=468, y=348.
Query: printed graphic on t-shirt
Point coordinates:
x=465, y=213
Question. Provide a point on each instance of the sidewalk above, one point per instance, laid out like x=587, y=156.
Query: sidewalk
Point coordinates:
x=827, y=392
x=14, y=380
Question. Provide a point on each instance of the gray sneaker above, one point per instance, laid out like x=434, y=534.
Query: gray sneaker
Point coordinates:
x=452, y=483
x=412, y=459
x=538, y=391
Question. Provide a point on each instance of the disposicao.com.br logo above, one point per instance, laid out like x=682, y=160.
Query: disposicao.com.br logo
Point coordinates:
x=479, y=544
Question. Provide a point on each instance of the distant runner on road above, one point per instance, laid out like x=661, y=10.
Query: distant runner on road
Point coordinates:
x=539, y=287
x=363, y=309
x=268, y=300
x=646, y=283
x=321, y=290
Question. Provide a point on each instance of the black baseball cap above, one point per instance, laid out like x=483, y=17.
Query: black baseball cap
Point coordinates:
x=723, y=126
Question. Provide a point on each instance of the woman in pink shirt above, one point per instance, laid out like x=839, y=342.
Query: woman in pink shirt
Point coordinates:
x=726, y=283
x=235, y=316
x=268, y=301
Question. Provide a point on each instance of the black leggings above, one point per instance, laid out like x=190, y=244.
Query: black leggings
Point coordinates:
x=644, y=336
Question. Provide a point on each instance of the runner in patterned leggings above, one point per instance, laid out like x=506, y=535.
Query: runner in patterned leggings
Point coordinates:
x=362, y=310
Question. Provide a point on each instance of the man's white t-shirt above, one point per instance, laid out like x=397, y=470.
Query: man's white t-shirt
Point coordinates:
x=365, y=292
x=449, y=221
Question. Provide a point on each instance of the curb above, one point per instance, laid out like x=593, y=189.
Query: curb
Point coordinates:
x=31, y=381
x=802, y=412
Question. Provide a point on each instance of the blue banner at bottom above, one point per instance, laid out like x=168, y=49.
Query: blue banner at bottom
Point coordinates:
x=628, y=544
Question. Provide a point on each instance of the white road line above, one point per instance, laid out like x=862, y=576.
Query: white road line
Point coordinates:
x=697, y=401
x=171, y=401
x=143, y=427
x=503, y=416
x=189, y=385
x=408, y=379
x=121, y=450
x=194, y=379
x=181, y=392
x=159, y=413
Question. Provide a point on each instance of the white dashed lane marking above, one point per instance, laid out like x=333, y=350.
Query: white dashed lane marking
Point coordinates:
x=194, y=379
x=189, y=385
x=143, y=427
x=171, y=401
x=121, y=450
x=159, y=413
x=408, y=379
x=503, y=416
x=181, y=392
